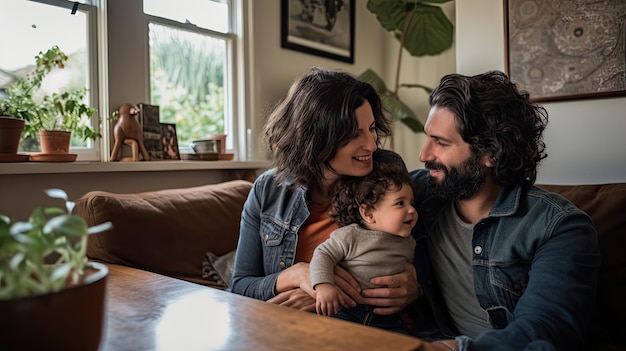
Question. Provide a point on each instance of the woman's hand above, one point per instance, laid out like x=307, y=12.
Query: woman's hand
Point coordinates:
x=296, y=276
x=400, y=290
x=295, y=298
x=293, y=287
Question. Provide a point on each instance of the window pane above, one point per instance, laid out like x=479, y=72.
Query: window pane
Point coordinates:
x=208, y=14
x=36, y=27
x=187, y=81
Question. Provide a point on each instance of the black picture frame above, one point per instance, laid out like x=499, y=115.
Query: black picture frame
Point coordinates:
x=169, y=141
x=151, y=127
x=310, y=27
x=564, y=50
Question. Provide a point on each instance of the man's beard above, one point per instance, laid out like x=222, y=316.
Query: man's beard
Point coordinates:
x=459, y=183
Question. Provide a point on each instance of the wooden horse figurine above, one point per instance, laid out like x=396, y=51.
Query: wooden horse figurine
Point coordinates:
x=127, y=130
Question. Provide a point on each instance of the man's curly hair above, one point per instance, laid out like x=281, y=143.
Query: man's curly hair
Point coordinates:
x=498, y=120
x=352, y=192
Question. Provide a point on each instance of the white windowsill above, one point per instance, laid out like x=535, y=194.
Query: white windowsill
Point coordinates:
x=95, y=167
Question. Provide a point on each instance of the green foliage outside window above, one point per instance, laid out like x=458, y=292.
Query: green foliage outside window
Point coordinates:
x=187, y=81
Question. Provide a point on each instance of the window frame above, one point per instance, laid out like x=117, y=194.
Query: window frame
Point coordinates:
x=236, y=124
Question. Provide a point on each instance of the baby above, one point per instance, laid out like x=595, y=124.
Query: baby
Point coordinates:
x=375, y=214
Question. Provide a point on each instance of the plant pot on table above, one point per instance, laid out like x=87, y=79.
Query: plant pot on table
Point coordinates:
x=69, y=319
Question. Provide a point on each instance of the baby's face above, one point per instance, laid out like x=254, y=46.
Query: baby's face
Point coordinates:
x=394, y=213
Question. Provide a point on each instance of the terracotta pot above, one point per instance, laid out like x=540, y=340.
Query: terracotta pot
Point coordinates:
x=10, y=134
x=55, y=141
x=70, y=319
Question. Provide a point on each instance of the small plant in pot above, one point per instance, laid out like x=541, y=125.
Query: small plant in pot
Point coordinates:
x=51, y=296
x=64, y=111
x=15, y=110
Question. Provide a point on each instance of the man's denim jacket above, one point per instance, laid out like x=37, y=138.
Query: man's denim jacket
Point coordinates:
x=535, y=262
x=268, y=236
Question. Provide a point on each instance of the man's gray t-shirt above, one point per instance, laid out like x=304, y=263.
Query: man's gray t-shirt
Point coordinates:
x=451, y=252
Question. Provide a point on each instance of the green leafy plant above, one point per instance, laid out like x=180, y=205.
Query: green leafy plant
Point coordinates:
x=46, y=253
x=63, y=110
x=422, y=28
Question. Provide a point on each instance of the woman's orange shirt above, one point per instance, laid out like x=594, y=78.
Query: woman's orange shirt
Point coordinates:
x=314, y=231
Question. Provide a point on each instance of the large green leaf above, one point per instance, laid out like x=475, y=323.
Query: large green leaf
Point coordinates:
x=402, y=112
x=369, y=76
x=395, y=107
x=429, y=31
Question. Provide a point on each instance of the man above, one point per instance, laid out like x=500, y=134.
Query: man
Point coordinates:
x=503, y=264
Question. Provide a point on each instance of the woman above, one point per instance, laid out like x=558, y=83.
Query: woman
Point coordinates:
x=329, y=125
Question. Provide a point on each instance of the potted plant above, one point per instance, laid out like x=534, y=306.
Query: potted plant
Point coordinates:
x=15, y=109
x=51, y=296
x=422, y=28
x=62, y=113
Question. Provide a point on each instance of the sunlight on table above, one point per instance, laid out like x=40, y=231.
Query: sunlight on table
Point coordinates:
x=209, y=330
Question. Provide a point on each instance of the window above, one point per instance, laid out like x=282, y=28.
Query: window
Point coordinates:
x=182, y=56
x=36, y=26
x=191, y=64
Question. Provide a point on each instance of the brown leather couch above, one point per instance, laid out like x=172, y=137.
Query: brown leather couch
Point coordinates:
x=171, y=231
x=167, y=231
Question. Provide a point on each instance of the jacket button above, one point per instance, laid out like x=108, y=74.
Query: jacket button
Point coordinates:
x=282, y=264
x=478, y=250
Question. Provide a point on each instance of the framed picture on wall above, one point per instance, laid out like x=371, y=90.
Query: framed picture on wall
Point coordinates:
x=563, y=49
x=322, y=28
x=169, y=141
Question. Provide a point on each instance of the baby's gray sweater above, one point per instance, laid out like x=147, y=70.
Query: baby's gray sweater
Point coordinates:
x=364, y=253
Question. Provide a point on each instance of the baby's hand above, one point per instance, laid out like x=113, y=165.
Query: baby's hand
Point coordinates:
x=328, y=299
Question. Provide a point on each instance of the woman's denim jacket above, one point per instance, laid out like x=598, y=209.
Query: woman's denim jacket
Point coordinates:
x=535, y=262
x=270, y=221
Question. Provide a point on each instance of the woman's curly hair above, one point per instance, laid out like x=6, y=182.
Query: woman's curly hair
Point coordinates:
x=315, y=119
x=498, y=120
x=352, y=192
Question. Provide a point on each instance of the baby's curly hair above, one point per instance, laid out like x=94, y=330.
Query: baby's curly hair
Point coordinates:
x=352, y=192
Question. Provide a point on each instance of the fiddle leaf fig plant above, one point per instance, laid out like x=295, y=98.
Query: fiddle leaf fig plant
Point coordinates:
x=46, y=253
x=422, y=28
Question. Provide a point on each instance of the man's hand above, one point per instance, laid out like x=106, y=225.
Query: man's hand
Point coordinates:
x=295, y=298
x=400, y=290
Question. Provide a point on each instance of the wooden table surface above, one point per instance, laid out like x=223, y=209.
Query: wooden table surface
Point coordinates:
x=147, y=311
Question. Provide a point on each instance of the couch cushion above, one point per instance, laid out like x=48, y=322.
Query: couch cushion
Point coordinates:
x=167, y=231
x=606, y=205
x=219, y=268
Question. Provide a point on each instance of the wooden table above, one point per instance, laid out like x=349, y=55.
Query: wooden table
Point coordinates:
x=147, y=311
